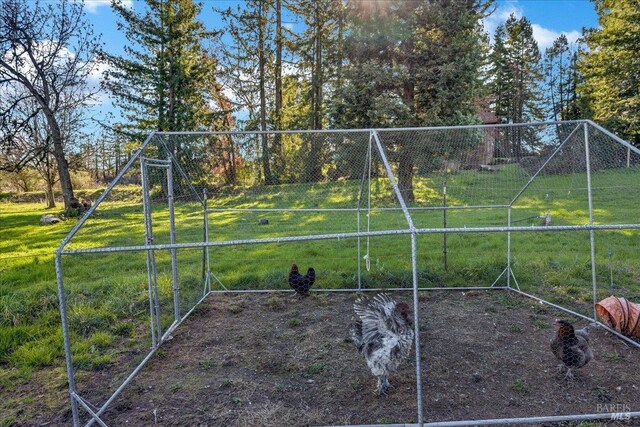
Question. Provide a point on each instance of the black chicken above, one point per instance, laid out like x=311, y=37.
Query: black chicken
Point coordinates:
x=571, y=346
x=383, y=334
x=301, y=284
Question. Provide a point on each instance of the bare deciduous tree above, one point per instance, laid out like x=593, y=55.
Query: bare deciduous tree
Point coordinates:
x=46, y=57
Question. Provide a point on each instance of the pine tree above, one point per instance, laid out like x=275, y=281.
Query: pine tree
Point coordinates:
x=317, y=51
x=410, y=64
x=277, y=110
x=249, y=72
x=161, y=82
x=518, y=77
x=448, y=54
x=502, y=76
x=561, y=80
x=556, y=60
x=611, y=67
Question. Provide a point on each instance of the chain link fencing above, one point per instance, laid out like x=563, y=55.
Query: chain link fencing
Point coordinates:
x=545, y=210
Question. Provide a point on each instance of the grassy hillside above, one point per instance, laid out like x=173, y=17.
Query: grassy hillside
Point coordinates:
x=107, y=293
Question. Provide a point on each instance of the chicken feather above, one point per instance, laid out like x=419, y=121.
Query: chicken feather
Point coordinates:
x=383, y=334
x=301, y=283
x=571, y=346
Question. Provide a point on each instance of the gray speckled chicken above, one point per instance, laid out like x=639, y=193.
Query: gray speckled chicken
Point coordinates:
x=571, y=346
x=383, y=334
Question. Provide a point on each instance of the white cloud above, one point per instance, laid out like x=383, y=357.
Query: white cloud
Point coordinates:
x=94, y=80
x=545, y=36
x=92, y=6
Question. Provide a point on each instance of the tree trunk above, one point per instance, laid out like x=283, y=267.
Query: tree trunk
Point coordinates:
x=405, y=177
x=317, y=72
x=227, y=141
x=61, y=161
x=277, y=138
x=407, y=153
x=340, y=43
x=49, y=180
x=230, y=169
x=313, y=164
x=51, y=201
x=266, y=166
x=171, y=88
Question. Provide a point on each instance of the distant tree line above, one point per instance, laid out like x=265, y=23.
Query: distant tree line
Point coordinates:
x=304, y=64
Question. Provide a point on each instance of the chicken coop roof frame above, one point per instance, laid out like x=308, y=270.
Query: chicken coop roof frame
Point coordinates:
x=95, y=412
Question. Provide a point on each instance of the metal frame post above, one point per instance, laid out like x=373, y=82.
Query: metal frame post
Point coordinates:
x=173, y=250
x=152, y=275
x=591, y=231
x=444, y=222
x=416, y=324
x=67, y=341
x=367, y=166
x=358, y=251
x=207, y=266
x=414, y=266
x=60, y=282
x=509, y=248
x=517, y=196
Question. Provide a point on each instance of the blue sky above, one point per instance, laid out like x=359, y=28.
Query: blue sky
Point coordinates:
x=549, y=19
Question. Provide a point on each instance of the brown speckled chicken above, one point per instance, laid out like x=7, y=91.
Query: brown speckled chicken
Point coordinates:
x=571, y=346
x=383, y=333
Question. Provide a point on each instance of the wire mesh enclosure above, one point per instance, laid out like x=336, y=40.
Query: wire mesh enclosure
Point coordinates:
x=547, y=211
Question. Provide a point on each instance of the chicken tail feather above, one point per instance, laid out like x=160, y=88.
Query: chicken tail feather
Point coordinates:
x=356, y=335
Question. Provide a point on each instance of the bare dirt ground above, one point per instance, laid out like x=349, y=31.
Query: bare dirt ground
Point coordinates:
x=275, y=360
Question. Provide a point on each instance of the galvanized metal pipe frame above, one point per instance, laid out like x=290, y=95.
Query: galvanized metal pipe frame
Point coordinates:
x=541, y=168
x=414, y=267
x=581, y=316
x=150, y=258
x=60, y=283
x=66, y=338
x=359, y=207
x=173, y=246
x=512, y=421
x=353, y=290
x=508, y=248
x=175, y=162
x=313, y=237
x=205, y=220
x=378, y=130
x=613, y=136
x=316, y=210
x=591, y=232
x=174, y=255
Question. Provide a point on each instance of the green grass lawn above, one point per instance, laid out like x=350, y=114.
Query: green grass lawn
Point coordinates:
x=107, y=292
